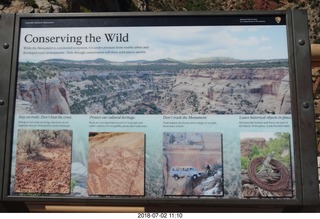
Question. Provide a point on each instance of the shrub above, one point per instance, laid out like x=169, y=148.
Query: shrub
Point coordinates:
x=32, y=3
x=64, y=137
x=5, y=2
x=244, y=163
x=29, y=143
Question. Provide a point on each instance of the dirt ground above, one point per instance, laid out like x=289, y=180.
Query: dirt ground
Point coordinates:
x=49, y=173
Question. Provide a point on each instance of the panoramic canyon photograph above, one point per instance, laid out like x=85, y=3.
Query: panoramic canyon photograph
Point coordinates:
x=218, y=85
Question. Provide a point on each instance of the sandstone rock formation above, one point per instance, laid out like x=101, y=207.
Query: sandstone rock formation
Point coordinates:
x=284, y=97
x=247, y=143
x=44, y=96
x=116, y=164
x=207, y=90
x=228, y=91
x=201, y=151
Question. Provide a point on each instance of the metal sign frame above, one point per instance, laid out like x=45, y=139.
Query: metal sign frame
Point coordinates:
x=6, y=41
x=301, y=97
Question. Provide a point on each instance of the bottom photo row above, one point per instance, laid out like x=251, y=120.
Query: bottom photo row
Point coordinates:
x=117, y=164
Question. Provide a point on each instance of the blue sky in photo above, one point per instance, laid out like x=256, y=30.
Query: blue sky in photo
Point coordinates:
x=176, y=42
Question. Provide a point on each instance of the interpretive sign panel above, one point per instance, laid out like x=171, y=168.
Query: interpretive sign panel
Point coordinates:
x=155, y=107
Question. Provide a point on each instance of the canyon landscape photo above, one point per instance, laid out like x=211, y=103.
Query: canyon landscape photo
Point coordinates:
x=219, y=85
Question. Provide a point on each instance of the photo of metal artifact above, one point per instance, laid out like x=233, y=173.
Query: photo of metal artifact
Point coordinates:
x=266, y=165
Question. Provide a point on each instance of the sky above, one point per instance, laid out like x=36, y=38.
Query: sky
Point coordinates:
x=265, y=135
x=180, y=43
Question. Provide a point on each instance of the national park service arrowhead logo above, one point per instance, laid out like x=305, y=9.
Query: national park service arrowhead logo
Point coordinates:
x=278, y=19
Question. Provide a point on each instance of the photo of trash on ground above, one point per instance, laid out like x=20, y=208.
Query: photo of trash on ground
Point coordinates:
x=266, y=165
x=43, y=161
x=192, y=164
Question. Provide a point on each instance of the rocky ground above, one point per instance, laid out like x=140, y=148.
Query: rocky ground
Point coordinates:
x=42, y=162
x=49, y=174
x=57, y=6
x=229, y=91
x=250, y=189
x=35, y=6
x=209, y=184
x=234, y=90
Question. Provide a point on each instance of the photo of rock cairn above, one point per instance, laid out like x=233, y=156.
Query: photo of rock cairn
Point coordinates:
x=116, y=163
x=266, y=166
x=43, y=161
x=192, y=164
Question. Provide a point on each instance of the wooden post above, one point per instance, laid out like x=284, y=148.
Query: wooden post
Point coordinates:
x=315, y=55
x=315, y=63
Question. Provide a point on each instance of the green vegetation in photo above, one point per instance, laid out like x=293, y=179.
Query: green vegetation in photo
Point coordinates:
x=32, y=3
x=35, y=71
x=278, y=146
x=72, y=184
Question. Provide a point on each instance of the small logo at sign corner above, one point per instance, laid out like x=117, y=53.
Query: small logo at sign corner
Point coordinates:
x=278, y=19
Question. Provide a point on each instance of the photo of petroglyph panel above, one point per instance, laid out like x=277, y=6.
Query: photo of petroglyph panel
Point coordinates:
x=192, y=164
x=266, y=165
x=43, y=161
x=116, y=163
